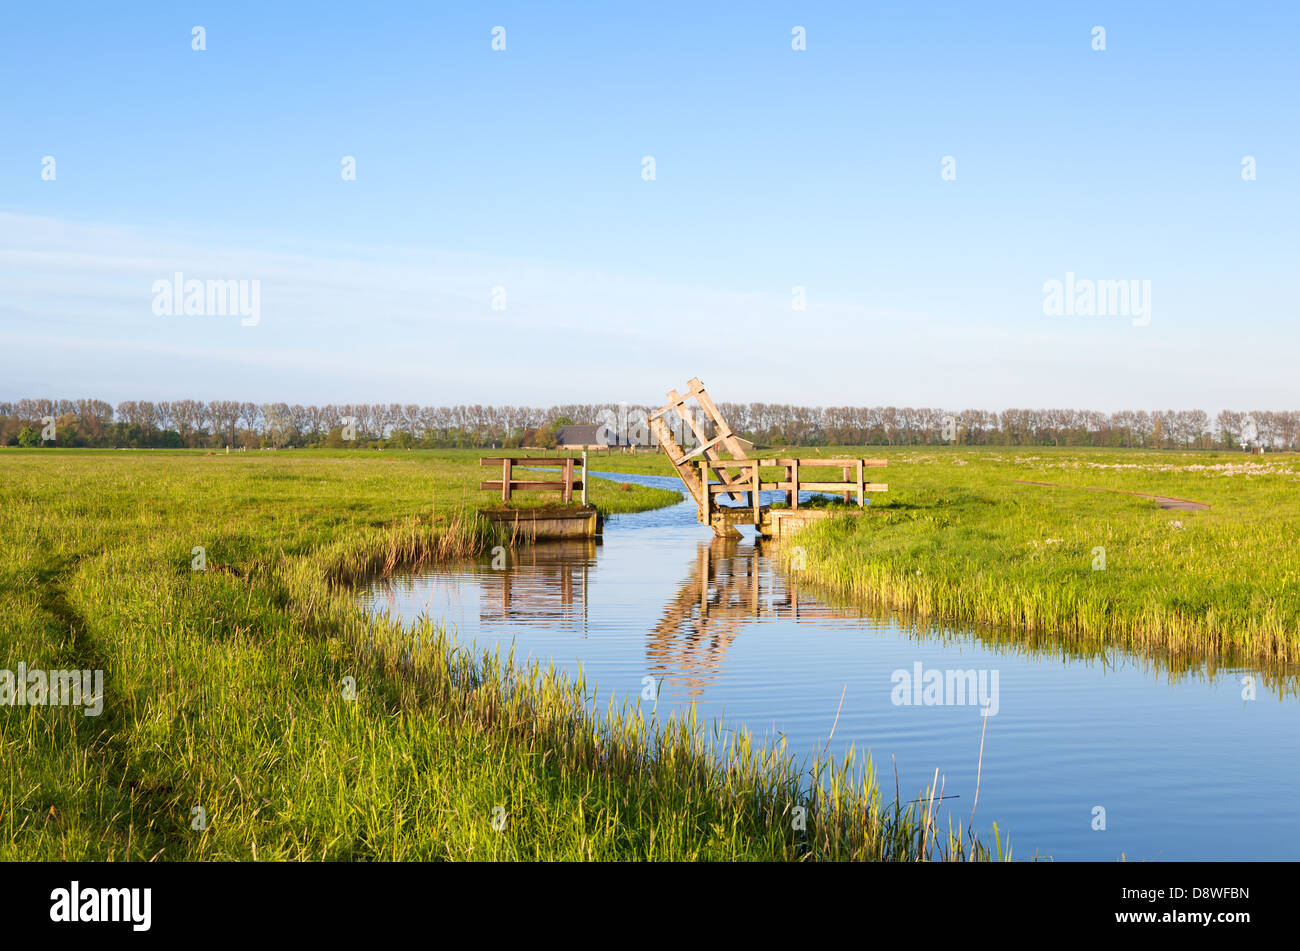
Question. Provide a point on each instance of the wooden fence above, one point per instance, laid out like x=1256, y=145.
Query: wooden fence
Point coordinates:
x=740, y=476
x=508, y=484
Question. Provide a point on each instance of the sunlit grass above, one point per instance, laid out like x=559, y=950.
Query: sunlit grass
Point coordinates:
x=958, y=538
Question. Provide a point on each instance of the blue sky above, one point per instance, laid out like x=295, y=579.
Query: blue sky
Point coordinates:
x=775, y=168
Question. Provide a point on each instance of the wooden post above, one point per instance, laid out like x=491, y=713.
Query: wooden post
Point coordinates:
x=794, y=483
x=584, y=478
x=506, y=465
x=844, y=471
x=754, y=492
x=568, y=480
x=861, y=497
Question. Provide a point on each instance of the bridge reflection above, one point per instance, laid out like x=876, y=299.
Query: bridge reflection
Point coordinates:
x=731, y=583
x=544, y=583
x=728, y=584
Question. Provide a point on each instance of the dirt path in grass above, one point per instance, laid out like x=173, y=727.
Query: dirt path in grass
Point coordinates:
x=1164, y=501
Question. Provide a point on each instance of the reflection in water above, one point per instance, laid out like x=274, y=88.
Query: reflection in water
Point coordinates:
x=542, y=584
x=554, y=590
x=729, y=584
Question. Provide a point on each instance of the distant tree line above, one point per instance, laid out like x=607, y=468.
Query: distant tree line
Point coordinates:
x=220, y=423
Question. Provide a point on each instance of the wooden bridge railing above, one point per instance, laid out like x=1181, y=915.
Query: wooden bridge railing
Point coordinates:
x=852, y=482
x=745, y=473
x=565, y=485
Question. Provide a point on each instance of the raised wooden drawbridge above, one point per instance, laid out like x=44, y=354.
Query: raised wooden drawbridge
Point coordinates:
x=739, y=477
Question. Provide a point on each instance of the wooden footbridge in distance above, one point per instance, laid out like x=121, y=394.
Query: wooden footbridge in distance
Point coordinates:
x=739, y=476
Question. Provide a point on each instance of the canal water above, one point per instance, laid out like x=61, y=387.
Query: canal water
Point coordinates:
x=1085, y=757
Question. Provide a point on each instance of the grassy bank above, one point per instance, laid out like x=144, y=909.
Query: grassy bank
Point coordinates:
x=958, y=537
x=253, y=711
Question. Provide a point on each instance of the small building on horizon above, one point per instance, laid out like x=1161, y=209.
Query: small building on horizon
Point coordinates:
x=588, y=436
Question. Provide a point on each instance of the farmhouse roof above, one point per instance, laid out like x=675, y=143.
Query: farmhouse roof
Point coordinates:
x=582, y=434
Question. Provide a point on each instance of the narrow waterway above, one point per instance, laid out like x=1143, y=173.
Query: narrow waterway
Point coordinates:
x=1084, y=757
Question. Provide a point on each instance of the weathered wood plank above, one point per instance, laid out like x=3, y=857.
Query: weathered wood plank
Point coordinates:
x=675, y=455
x=675, y=402
x=551, y=462
x=823, y=462
x=725, y=434
x=826, y=486
x=718, y=488
x=519, y=485
x=705, y=446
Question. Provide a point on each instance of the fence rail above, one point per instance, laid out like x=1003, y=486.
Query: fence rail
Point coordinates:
x=741, y=476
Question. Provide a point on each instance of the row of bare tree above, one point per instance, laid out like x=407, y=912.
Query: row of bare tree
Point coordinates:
x=231, y=422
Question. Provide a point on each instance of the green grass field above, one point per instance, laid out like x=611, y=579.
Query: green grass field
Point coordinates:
x=959, y=538
x=252, y=710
